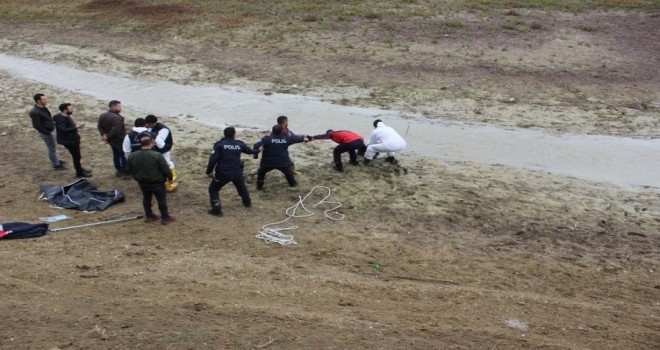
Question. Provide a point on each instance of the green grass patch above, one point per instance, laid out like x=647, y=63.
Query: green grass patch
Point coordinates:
x=563, y=5
x=588, y=28
x=453, y=24
x=516, y=26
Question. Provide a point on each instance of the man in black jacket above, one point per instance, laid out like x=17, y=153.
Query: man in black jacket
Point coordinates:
x=67, y=136
x=276, y=155
x=226, y=161
x=42, y=121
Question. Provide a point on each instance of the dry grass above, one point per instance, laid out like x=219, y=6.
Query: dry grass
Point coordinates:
x=231, y=13
x=149, y=15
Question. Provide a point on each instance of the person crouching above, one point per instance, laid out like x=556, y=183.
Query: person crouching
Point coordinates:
x=150, y=169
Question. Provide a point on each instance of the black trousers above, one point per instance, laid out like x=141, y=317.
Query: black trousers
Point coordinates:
x=219, y=181
x=350, y=147
x=74, y=149
x=286, y=170
x=148, y=192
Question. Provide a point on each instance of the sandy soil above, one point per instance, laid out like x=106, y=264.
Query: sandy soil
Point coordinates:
x=458, y=255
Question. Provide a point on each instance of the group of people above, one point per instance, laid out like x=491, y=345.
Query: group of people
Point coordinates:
x=225, y=164
x=144, y=153
x=154, y=171
x=112, y=128
x=58, y=129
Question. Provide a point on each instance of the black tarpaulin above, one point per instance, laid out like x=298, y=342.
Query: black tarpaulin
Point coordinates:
x=81, y=195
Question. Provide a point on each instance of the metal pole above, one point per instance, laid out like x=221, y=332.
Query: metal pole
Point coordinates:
x=93, y=224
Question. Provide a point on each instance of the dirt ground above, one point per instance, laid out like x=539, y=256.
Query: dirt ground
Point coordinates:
x=447, y=256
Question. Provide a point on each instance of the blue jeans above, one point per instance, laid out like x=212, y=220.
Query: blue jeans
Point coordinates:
x=118, y=158
x=51, y=144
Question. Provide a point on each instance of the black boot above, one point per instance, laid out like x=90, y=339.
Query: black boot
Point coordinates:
x=339, y=168
x=83, y=173
x=215, y=213
x=391, y=160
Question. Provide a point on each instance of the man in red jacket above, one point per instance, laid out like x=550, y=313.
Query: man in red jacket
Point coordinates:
x=348, y=142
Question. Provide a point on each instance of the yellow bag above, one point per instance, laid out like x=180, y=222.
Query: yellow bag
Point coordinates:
x=170, y=186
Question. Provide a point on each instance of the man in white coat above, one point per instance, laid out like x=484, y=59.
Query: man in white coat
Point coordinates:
x=383, y=139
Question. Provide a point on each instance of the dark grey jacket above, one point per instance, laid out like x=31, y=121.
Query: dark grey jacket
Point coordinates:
x=42, y=120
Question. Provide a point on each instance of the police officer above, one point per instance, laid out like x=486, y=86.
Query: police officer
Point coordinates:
x=226, y=161
x=276, y=155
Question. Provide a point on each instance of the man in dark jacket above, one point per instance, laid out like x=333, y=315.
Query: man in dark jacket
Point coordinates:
x=226, y=161
x=67, y=136
x=348, y=142
x=150, y=170
x=276, y=155
x=112, y=129
x=42, y=121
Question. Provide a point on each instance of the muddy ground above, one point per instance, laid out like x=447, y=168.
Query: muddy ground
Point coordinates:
x=456, y=255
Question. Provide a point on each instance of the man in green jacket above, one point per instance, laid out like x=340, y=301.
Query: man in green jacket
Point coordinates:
x=150, y=170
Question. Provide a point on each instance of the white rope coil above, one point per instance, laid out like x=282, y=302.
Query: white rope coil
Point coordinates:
x=275, y=235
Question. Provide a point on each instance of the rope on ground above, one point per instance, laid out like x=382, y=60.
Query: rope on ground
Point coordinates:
x=275, y=235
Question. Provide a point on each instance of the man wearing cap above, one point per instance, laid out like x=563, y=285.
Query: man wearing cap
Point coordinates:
x=150, y=170
x=226, y=161
x=348, y=142
x=112, y=129
x=42, y=121
x=164, y=144
x=383, y=139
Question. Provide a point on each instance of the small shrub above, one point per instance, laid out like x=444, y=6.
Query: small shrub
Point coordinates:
x=309, y=18
x=517, y=26
x=454, y=24
x=588, y=28
x=536, y=26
